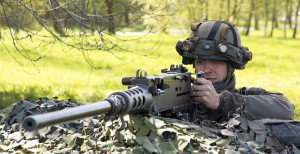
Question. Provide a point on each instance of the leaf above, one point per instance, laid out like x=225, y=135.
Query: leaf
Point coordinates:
x=31, y=143
x=17, y=136
x=180, y=127
x=94, y=123
x=227, y=132
x=70, y=139
x=154, y=137
x=14, y=144
x=125, y=135
x=143, y=131
x=136, y=121
x=49, y=103
x=233, y=122
x=53, y=133
x=136, y=150
x=154, y=123
x=295, y=149
x=17, y=118
x=167, y=147
x=4, y=147
x=80, y=139
x=22, y=106
x=183, y=142
x=87, y=145
x=198, y=133
x=222, y=142
x=149, y=124
x=209, y=142
x=108, y=123
x=44, y=131
x=16, y=112
x=4, y=114
x=103, y=145
x=144, y=141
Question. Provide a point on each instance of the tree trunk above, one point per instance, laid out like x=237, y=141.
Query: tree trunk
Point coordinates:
x=250, y=18
x=296, y=20
x=234, y=11
x=256, y=17
x=221, y=11
x=267, y=16
x=191, y=11
x=111, y=24
x=237, y=17
x=57, y=25
x=274, y=18
x=126, y=15
x=84, y=13
x=206, y=9
x=201, y=9
x=290, y=14
x=228, y=10
x=286, y=17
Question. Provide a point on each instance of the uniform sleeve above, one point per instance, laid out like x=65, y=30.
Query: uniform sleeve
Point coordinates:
x=257, y=103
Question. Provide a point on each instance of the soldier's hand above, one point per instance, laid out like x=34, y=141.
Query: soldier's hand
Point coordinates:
x=205, y=93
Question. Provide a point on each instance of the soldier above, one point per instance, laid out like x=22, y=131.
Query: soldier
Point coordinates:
x=214, y=47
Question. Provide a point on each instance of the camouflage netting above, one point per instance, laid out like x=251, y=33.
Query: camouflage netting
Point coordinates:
x=137, y=134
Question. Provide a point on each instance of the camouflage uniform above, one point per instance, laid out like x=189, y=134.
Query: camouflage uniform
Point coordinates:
x=257, y=103
x=219, y=40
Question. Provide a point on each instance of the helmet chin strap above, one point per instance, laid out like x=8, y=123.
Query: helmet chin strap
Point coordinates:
x=228, y=83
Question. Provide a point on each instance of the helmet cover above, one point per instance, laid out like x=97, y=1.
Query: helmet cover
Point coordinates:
x=214, y=40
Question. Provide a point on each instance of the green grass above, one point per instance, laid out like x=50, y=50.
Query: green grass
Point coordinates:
x=65, y=73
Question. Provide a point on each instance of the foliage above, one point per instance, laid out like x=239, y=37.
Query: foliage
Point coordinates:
x=66, y=74
x=32, y=30
x=139, y=133
x=63, y=71
x=89, y=24
x=86, y=25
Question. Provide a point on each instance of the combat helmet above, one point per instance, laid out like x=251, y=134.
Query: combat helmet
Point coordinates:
x=214, y=40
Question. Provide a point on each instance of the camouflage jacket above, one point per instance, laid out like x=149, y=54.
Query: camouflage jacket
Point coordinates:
x=257, y=103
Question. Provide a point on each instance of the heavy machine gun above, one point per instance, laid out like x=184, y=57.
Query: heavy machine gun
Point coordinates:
x=167, y=94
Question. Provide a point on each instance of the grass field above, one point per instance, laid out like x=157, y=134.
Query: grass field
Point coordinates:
x=67, y=75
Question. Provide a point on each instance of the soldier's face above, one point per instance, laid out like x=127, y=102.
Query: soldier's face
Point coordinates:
x=214, y=70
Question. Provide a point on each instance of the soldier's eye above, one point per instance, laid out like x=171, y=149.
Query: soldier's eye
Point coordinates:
x=199, y=61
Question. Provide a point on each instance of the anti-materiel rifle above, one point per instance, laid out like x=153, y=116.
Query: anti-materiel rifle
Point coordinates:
x=167, y=94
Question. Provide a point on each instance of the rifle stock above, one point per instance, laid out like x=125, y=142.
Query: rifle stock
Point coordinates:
x=167, y=94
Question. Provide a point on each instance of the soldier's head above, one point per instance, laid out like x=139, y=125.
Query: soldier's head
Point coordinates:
x=214, y=42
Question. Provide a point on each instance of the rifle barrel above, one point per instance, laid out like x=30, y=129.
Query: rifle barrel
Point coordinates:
x=35, y=122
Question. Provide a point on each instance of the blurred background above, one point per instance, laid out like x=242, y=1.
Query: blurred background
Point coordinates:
x=81, y=49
